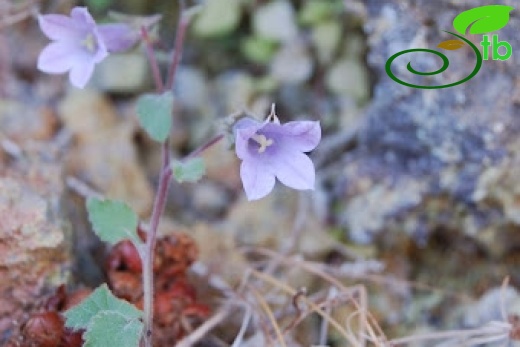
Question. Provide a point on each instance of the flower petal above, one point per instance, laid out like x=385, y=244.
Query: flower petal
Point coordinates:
x=58, y=57
x=302, y=136
x=294, y=169
x=82, y=16
x=101, y=51
x=242, y=139
x=59, y=27
x=305, y=135
x=118, y=37
x=81, y=73
x=247, y=122
x=257, y=181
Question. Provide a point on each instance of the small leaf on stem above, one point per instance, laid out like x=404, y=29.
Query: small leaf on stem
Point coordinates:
x=100, y=301
x=191, y=170
x=113, y=329
x=113, y=221
x=155, y=114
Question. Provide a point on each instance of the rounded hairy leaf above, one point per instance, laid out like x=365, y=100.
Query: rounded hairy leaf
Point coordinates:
x=155, y=114
x=113, y=329
x=113, y=221
x=101, y=300
x=191, y=170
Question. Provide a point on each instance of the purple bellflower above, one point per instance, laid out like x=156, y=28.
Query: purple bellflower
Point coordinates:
x=270, y=150
x=79, y=43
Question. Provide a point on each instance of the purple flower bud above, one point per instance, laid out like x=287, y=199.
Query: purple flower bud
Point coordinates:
x=78, y=44
x=270, y=150
x=118, y=37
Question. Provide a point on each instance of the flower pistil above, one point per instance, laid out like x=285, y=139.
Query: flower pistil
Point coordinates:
x=89, y=43
x=263, y=141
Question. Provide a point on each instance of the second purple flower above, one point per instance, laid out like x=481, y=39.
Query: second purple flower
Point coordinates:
x=271, y=150
x=79, y=43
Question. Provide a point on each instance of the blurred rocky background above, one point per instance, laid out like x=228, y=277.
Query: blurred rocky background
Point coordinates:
x=424, y=181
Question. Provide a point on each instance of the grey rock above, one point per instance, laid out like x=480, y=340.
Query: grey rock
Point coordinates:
x=210, y=199
x=123, y=73
x=436, y=146
x=276, y=21
x=191, y=88
x=217, y=18
x=292, y=64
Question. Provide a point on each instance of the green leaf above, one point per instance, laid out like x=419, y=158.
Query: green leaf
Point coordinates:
x=155, y=114
x=483, y=19
x=314, y=12
x=98, y=5
x=101, y=300
x=113, y=221
x=258, y=49
x=113, y=329
x=189, y=171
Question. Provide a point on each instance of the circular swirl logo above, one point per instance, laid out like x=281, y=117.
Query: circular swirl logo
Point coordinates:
x=445, y=64
x=479, y=20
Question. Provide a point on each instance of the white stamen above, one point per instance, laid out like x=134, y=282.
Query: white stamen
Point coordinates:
x=272, y=115
x=89, y=43
x=263, y=141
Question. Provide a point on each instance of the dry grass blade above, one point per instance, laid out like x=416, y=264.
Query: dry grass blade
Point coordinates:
x=12, y=13
x=269, y=313
x=324, y=323
x=493, y=332
x=243, y=328
x=207, y=326
x=314, y=308
x=367, y=322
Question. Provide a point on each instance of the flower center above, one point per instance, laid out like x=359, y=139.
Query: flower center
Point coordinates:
x=263, y=141
x=89, y=43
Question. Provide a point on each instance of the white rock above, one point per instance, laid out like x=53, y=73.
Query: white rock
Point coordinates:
x=217, y=18
x=123, y=73
x=292, y=64
x=349, y=77
x=190, y=88
x=276, y=21
x=326, y=38
x=236, y=88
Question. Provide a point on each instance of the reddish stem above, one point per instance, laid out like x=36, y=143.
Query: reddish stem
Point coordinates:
x=147, y=256
x=184, y=20
x=159, y=85
x=151, y=237
x=204, y=147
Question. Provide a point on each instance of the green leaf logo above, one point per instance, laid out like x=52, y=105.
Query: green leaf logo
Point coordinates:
x=482, y=19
